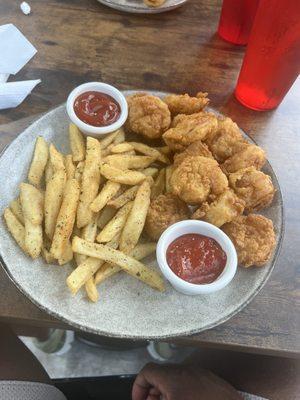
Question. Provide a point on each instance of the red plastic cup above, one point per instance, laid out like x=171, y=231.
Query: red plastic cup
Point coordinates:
x=236, y=20
x=272, y=60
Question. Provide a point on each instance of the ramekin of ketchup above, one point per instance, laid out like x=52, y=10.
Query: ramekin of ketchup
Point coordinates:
x=97, y=108
x=196, y=257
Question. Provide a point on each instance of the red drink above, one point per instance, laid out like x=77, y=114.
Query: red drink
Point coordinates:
x=272, y=60
x=236, y=20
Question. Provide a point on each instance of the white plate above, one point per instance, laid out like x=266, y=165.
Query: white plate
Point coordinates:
x=138, y=6
x=127, y=308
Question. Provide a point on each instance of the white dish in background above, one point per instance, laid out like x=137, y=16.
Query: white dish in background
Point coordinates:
x=97, y=131
x=138, y=6
x=203, y=228
x=127, y=308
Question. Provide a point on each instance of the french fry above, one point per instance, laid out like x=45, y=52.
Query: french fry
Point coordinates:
x=88, y=233
x=15, y=227
x=47, y=256
x=48, y=171
x=57, y=159
x=104, y=143
x=107, y=193
x=32, y=202
x=16, y=208
x=136, y=218
x=70, y=167
x=138, y=253
x=91, y=290
x=126, y=177
x=115, y=225
x=150, y=171
x=159, y=184
x=90, y=182
x=124, y=198
x=127, y=263
x=39, y=162
x=105, y=216
x=53, y=199
x=122, y=161
x=79, y=171
x=105, y=152
x=67, y=254
x=150, y=151
x=87, y=269
x=77, y=143
x=66, y=218
x=120, y=137
x=121, y=147
x=169, y=171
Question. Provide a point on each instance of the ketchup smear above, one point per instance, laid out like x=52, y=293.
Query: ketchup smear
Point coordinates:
x=196, y=258
x=97, y=109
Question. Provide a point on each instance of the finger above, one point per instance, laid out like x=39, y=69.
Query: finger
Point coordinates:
x=153, y=397
x=141, y=388
x=154, y=392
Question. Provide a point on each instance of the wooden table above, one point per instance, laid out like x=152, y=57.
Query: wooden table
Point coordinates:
x=81, y=40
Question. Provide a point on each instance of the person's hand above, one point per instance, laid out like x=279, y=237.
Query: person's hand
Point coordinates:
x=180, y=382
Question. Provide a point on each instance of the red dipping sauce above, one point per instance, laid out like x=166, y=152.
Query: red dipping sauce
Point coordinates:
x=96, y=108
x=196, y=258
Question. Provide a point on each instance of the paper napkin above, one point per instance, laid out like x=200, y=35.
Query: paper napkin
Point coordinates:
x=13, y=93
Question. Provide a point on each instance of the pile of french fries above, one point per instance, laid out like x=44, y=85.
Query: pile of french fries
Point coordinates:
x=90, y=206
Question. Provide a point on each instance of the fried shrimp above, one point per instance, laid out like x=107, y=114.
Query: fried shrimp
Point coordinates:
x=185, y=104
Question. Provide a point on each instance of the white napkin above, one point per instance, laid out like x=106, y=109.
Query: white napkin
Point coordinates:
x=15, y=52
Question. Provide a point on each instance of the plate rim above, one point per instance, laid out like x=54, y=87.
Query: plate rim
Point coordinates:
x=152, y=337
x=137, y=10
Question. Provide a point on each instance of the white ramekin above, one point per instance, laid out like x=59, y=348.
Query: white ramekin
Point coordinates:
x=203, y=228
x=103, y=88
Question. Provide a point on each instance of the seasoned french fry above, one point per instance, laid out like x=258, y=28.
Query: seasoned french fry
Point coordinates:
x=120, y=137
x=127, y=263
x=16, y=208
x=15, y=227
x=87, y=269
x=39, y=162
x=138, y=253
x=151, y=171
x=122, y=161
x=47, y=256
x=32, y=202
x=115, y=225
x=67, y=254
x=108, y=139
x=91, y=290
x=124, y=198
x=169, y=171
x=107, y=193
x=79, y=171
x=53, y=199
x=66, y=218
x=48, y=171
x=136, y=218
x=121, y=147
x=159, y=184
x=70, y=167
x=126, y=177
x=90, y=182
x=105, y=216
x=57, y=159
x=105, y=152
x=150, y=151
x=77, y=143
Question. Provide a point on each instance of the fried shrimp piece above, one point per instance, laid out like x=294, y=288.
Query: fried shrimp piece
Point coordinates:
x=147, y=115
x=154, y=3
x=185, y=104
x=252, y=186
x=195, y=149
x=224, y=209
x=187, y=129
x=196, y=178
x=253, y=237
x=164, y=211
x=245, y=155
x=223, y=142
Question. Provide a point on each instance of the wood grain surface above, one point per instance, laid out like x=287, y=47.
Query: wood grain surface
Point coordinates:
x=81, y=40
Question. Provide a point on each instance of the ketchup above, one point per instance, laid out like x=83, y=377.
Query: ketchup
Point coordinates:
x=96, y=108
x=196, y=258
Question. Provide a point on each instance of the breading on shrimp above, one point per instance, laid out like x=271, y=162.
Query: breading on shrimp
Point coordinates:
x=195, y=149
x=147, y=115
x=224, y=209
x=252, y=186
x=223, y=142
x=187, y=129
x=198, y=178
x=185, y=104
x=245, y=155
x=253, y=237
x=164, y=211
